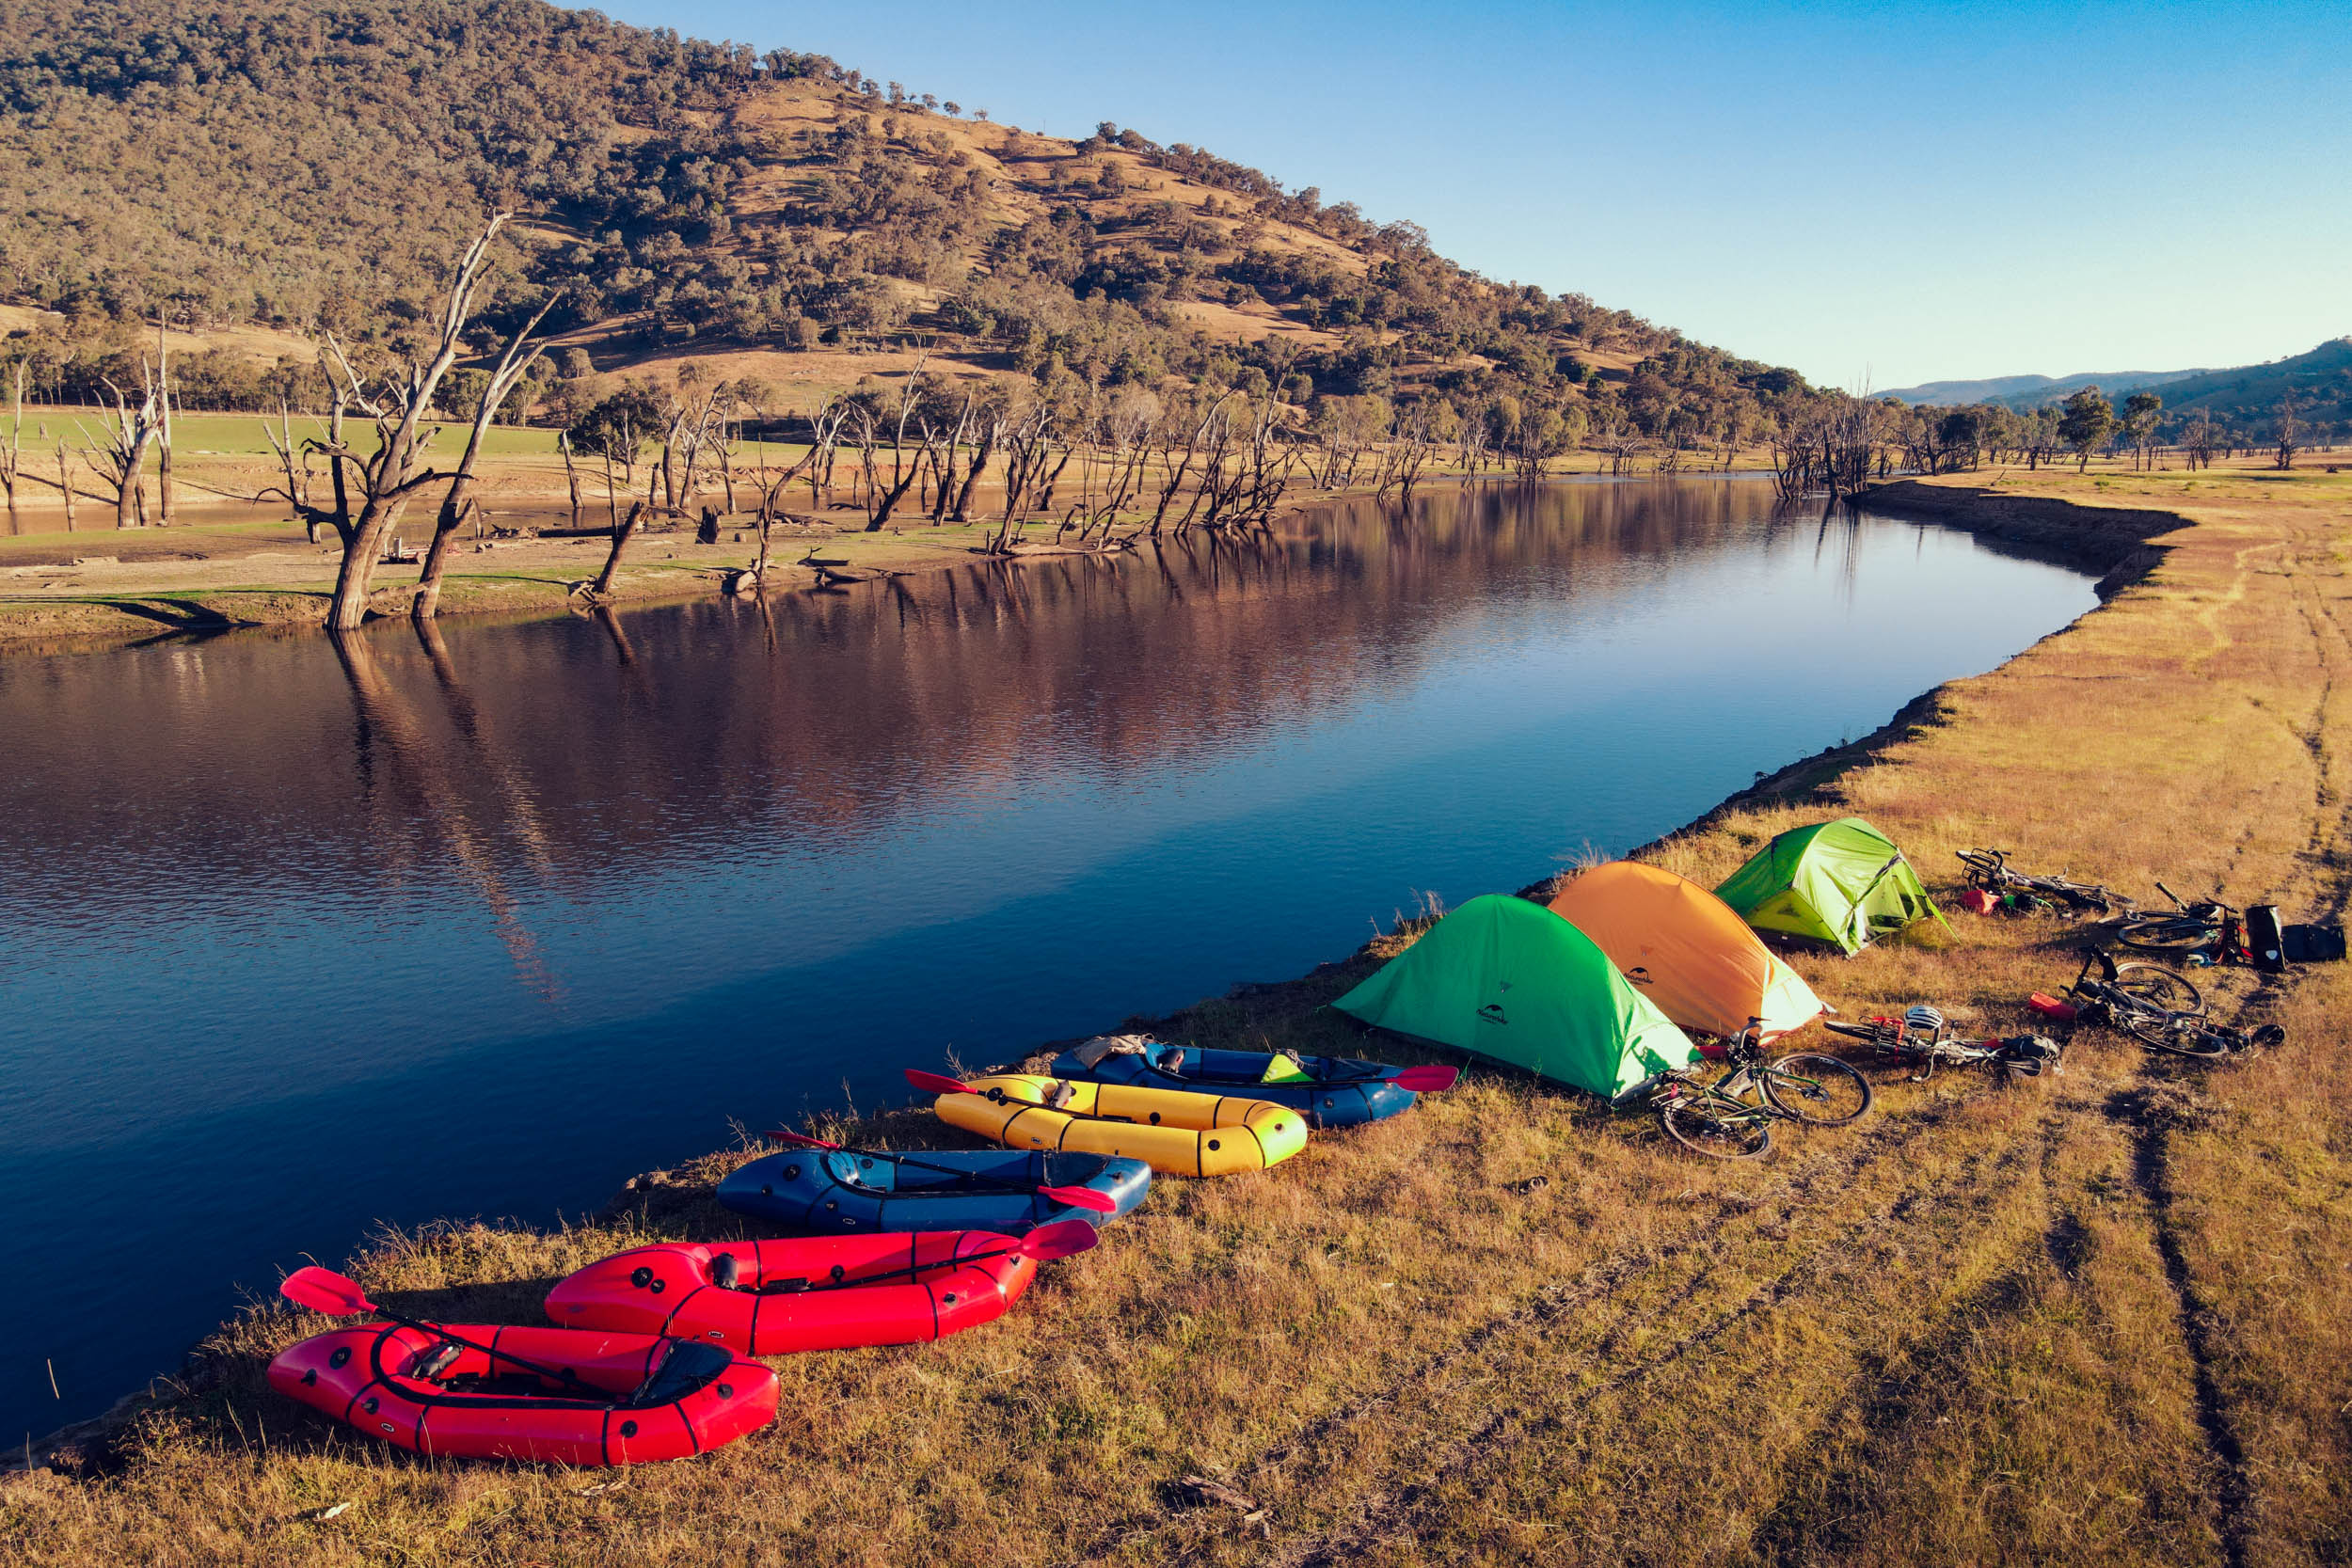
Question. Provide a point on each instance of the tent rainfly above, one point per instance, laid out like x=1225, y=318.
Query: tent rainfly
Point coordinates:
x=1512, y=981
x=1842, y=882
x=1684, y=949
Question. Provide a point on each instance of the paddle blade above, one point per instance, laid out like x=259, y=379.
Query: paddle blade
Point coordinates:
x=1426, y=1080
x=932, y=1083
x=1082, y=1198
x=1049, y=1241
x=324, y=1290
x=786, y=1135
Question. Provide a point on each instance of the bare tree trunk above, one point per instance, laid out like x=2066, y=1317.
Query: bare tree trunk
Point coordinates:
x=391, y=472
x=571, y=474
x=65, y=484
x=621, y=536
x=12, y=459
x=460, y=499
x=163, y=432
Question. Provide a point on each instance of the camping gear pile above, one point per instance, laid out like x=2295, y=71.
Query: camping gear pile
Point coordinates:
x=1621, y=987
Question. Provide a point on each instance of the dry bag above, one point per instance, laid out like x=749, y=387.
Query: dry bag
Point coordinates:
x=2312, y=944
x=2265, y=945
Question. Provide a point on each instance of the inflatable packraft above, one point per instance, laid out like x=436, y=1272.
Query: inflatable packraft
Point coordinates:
x=823, y=1292
x=864, y=1191
x=1335, y=1091
x=637, y=1396
x=1175, y=1132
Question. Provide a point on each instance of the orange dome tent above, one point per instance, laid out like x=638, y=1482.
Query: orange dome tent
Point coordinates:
x=1684, y=949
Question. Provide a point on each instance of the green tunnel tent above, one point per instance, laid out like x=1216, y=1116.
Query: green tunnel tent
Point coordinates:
x=1842, y=882
x=1512, y=981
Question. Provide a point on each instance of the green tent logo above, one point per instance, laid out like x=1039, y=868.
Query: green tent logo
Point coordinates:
x=1492, y=1013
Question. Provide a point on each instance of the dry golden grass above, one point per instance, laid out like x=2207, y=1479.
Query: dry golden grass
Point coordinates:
x=2097, y=1318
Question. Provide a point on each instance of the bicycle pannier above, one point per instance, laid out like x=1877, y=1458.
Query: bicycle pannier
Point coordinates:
x=2265, y=946
x=2312, y=944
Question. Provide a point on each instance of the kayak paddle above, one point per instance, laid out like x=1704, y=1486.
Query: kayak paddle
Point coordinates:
x=324, y=1290
x=1075, y=1197
x=1419, y=1080
x=1046, y=1243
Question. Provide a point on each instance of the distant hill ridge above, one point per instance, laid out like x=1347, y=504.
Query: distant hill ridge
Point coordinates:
x=2244, y=395
x=2023, y=392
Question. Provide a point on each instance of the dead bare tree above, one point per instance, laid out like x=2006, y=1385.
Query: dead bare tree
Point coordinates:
x=163, y=427
x=118, y=455
x=2289, y=429
x=391, y=474
x=12, y=456
x=520, y=355
x=65, y=483
x=878, y=501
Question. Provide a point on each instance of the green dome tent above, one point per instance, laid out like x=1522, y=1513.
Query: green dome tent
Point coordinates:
x=1842, y=882
x=1512, y=981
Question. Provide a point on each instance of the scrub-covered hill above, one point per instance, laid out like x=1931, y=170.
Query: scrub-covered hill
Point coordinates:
x=295, y=165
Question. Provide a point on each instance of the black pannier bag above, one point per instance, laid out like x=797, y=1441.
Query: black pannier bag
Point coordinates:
x=2312, y=944
x=2264, y=944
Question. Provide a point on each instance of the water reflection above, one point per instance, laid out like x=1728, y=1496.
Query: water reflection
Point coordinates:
x=300, y=933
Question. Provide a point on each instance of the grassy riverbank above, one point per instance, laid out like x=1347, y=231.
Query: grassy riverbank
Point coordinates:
x=2105, y=1317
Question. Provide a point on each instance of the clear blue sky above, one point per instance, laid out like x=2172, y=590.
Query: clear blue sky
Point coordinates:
x=1909, y=192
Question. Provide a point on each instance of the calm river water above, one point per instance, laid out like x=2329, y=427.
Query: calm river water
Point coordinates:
x=292, y=943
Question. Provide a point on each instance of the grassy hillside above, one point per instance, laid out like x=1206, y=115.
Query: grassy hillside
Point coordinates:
x=294, y=165
x=2249, y=396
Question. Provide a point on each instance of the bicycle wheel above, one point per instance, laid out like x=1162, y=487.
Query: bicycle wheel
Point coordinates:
x=2168, y=933
x=1716, y=1130
x=2179, y=1034
x=2159, y=986
x=1821, y=1090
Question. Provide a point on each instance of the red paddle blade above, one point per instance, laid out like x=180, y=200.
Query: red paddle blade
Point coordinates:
x=2050, y=1006
x=932, y=1083
x=1049, y=1241
x=1082, y=1198
x=786, y=1135
x=324, y=1290
x=1426, y=1080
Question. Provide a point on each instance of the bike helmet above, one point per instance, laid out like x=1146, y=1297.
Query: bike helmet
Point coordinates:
x=1927, y=1019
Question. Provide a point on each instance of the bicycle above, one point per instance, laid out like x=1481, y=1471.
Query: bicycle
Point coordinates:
x=1715, y=1119
x=1921, y=1038
x=2148, y=1002
x=1989, y=869
x=2205, y=931
x=2140, y=1011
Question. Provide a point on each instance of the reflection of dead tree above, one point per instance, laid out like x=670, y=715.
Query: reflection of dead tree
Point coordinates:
x=393, y=744
x=460, y=497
